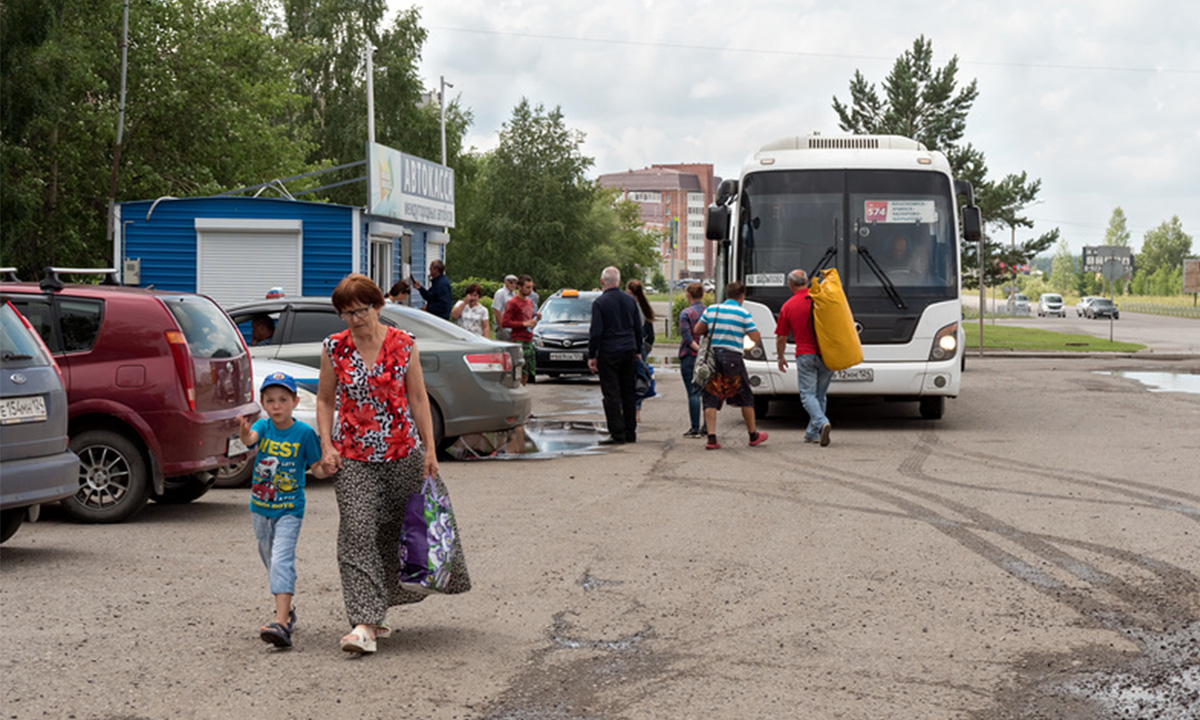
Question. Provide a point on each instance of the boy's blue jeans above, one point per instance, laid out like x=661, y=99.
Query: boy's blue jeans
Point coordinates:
x=813, y=378
x=277, y=547
x=687, y=368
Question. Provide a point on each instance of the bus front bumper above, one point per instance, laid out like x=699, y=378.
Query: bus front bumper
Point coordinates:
x=881, y=379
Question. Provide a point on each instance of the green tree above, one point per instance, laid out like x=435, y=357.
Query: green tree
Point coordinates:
x=1164, y=246
x=1062, y=269
x=208, y=108
x=1117, y=233
x=618, y=238
x=531, y=205
x=921, y=102
x=331, y=37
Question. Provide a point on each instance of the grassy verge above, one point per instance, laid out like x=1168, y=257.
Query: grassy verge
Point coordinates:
x=1004, y=337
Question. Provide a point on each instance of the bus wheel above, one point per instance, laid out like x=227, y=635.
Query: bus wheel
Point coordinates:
x=762, y=405
x=933, y=408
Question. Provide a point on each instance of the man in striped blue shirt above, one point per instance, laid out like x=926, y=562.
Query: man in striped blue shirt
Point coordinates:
x=730, y=324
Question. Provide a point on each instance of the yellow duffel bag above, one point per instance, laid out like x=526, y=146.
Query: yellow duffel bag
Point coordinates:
x=833, y=322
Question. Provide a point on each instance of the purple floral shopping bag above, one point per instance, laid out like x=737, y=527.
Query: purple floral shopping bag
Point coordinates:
x=426, y=541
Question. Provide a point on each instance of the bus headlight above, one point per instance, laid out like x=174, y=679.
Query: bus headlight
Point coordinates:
x=945, y=343
x=753, y=350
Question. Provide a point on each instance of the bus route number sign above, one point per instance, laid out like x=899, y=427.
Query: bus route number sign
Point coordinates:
x=900, y=211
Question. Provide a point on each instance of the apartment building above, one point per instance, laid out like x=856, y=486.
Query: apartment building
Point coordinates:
x=667, y=193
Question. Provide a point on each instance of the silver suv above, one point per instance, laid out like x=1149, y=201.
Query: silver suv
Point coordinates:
x=1050, y=304
x=36, y=465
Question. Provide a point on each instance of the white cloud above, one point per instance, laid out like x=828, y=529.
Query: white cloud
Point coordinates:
x=1068, y=91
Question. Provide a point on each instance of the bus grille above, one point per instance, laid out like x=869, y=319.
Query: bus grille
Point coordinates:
x=843, y=143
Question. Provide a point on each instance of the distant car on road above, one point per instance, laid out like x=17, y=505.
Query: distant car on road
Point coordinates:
x=155, y=383
x=35, y=463
x=1081, y=306
x=1050, y=304
x=1102, y=307
x=1017, y=305
x=474, y=383
x=560, y=339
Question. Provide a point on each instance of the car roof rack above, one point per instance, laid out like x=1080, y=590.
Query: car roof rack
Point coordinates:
x=52, y=281
x=10, y=274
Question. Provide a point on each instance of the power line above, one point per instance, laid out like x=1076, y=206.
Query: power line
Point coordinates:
x=797, y=53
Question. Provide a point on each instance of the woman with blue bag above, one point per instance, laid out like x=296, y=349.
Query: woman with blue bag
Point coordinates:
x=381, y=449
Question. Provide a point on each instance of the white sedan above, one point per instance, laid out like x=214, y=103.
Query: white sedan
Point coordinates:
x=238, y=475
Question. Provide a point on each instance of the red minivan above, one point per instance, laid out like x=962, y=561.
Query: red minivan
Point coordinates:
x=155, y=382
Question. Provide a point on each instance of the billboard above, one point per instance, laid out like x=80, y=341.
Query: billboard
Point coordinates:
x=409, y=188
x=1094, y=257
x=1191, y=275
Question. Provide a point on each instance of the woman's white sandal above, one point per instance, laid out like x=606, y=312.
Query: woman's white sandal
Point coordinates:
x=358, y=642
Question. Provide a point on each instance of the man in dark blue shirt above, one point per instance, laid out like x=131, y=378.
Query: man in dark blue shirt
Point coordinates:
x=614, y=347
x=438, y=296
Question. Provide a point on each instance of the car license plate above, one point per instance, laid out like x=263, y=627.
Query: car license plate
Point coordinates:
x=22, y=409
x=568, y=357
x=855, y=375
x=236, y=446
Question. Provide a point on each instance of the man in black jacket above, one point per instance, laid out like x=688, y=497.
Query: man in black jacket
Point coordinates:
x=614, y=347
x=438, y=296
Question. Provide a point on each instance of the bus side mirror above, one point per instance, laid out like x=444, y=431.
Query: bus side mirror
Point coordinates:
x=972, y=223
x=718, y=223
x=726, y=190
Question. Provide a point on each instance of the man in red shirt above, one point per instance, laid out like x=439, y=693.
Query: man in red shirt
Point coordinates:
x=520, y=317
x=795, y=317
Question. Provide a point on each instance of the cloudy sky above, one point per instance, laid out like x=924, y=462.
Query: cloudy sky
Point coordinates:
x=1099, y=99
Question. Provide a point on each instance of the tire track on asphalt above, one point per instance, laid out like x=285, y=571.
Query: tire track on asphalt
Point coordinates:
x=920, y=505
x=1149, y=494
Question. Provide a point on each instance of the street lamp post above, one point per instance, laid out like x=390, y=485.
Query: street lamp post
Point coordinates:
x=442, y=101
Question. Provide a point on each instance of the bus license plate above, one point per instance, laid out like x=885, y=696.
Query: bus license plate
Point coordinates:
x=855, y=375
x=567, y=357
x=31, y=408
x=236, y=447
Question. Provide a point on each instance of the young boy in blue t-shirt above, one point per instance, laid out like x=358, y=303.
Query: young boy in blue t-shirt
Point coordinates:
x=286, y=449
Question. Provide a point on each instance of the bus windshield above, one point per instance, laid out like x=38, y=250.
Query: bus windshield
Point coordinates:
x=903, y=220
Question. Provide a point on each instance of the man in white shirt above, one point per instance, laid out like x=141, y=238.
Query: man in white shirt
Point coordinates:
x=502, y=296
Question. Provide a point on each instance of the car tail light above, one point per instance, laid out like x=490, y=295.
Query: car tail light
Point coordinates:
x=183, y=365
x=490, y=362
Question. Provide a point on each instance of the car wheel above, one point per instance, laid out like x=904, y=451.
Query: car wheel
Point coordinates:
x=10, y=520
x=933, y=408
x=439, y=427
x=237, y=475
x=183, y=490
x=113, y=481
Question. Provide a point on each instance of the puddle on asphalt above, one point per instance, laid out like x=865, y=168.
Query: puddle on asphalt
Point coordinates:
x=537, y=439
x=1162, y=381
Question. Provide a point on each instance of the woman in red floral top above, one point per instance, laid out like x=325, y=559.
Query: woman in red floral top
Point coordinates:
x=371, y=375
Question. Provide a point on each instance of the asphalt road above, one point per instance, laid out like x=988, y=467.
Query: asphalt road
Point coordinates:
x=1032, y=555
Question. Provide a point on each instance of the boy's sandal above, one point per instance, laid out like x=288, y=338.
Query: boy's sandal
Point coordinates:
x=358, y=642
x=278, y=635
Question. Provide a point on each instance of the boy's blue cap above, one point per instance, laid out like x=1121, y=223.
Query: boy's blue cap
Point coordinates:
x=274, y=293
x=279, y=378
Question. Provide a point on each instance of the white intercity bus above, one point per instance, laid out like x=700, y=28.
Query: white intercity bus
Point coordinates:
x=882, y=209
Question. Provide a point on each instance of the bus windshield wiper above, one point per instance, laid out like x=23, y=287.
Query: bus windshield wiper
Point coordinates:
x=884, y=280
x=829, y=255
